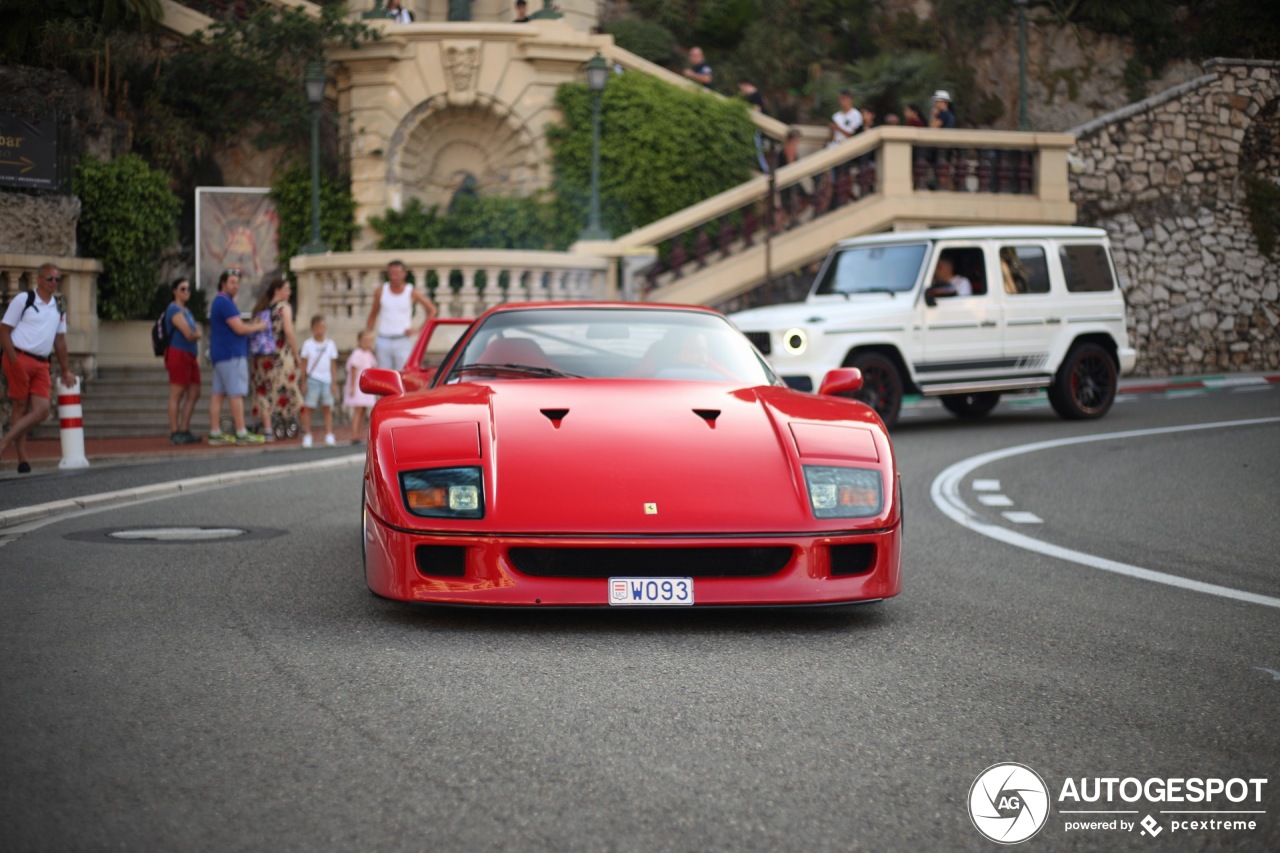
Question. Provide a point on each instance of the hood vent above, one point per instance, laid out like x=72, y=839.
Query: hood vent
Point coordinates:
x=708, y=415
x=555, y=416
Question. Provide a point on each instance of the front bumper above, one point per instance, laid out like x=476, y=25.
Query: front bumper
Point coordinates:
x=480, y=569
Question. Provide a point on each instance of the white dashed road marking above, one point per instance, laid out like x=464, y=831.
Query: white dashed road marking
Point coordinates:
x=945, y=492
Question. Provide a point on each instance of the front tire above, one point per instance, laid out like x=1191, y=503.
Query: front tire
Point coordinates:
x=1085, y=385
x=881, y=385
x=971, y=406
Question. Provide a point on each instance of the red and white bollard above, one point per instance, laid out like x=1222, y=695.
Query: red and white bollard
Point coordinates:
x=71, y=426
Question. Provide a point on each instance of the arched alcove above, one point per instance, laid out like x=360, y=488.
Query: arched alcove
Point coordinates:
x=439, y=144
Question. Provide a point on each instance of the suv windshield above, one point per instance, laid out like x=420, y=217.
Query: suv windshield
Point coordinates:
x=873, y=269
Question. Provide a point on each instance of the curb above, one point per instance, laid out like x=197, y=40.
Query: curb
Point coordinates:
x=23, y=515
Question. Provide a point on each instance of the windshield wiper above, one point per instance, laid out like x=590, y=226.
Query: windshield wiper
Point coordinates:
x=518, y=368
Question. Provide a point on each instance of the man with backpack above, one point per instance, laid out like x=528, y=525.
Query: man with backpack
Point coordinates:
x=33, y=327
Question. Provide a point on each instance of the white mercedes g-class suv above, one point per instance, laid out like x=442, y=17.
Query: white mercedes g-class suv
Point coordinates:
x=964, y=314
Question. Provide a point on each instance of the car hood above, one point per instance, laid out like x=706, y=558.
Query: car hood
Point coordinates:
x=637, y=456
x=820, y=310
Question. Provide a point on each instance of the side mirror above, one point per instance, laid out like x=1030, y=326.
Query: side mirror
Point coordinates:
x=381, y=382
x=842, y=380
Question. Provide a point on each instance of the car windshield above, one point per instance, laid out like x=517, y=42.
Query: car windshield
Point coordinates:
x=873, y=269
x=610, y=343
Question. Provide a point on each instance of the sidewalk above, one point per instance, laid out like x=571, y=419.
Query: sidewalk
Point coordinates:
x=47, y=453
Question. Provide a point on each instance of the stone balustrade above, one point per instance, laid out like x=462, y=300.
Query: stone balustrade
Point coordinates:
x=79, y=291
x=462, y=282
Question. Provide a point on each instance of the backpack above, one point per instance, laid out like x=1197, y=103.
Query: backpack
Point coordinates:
x=263, y=343
x=161, y=334
x=31, y=301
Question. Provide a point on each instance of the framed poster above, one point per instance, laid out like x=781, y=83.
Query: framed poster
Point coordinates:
x=236, y=228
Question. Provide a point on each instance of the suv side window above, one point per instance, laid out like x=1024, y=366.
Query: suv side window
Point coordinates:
x=964, y=263
x=1025, y=269
x=1086, y=269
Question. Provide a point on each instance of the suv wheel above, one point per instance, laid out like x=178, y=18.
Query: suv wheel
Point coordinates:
x=971, y=406
x=1085, y=386
x=881, y=385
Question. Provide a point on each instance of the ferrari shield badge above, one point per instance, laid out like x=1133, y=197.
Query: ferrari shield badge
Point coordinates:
x=651, y=509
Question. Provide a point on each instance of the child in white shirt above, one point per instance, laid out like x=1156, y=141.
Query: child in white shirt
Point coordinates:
x=320, y=386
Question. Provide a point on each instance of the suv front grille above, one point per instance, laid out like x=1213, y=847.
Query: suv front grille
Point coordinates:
x=761, y=340
x=735, y=562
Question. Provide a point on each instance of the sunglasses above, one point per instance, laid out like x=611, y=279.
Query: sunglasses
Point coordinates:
x=232, y=271
x=56, y=279
x=183, y=289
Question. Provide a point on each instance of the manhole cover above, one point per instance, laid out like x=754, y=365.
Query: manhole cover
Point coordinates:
x=179, y=534
x=176, y=534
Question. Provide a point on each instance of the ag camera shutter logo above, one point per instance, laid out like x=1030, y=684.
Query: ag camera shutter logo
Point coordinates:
x=1008, y=803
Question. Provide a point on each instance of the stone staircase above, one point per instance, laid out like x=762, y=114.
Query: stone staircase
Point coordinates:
x=130, y=401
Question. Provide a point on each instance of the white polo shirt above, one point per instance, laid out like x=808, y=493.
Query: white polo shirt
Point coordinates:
x=37, y=328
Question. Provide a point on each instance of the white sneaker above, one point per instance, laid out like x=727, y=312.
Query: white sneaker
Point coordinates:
x=306, y=440
x=329, y=440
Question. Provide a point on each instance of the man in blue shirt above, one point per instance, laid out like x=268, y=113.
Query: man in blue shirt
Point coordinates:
x=942, y=114
x=229, y=352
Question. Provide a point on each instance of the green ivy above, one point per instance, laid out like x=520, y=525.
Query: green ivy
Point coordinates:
x=291, y=192
x=127, y=220
x=662, y=149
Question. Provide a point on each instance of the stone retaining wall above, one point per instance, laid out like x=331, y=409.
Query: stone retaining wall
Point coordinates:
x=1166, y=177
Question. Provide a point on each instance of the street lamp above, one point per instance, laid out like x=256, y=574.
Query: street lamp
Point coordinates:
x=314, y=84
x=597, y=77
x=1023, y=123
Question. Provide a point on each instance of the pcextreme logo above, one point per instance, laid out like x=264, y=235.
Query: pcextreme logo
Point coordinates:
x=1009, y=803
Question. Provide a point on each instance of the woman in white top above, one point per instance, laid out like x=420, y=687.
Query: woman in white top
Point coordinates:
x=392, y=317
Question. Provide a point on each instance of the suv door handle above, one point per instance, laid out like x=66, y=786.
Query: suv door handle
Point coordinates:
x=986, y=324
x=1050, y=321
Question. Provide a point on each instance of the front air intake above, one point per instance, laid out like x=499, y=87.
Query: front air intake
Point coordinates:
x=852, y=559
x=731, y=562
x=442, y=561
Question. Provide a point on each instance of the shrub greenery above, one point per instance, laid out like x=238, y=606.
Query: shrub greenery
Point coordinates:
x=128, y=219
x=291, y=191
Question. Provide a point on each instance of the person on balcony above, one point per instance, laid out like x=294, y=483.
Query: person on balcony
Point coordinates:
x=522, y=12
x=845, y=122
x=942, y=115
x=698, y=71
x=392, y=317
x=397, y=12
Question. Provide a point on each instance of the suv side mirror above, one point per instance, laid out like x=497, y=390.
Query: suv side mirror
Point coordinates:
x=842, y=380
x=381, y=382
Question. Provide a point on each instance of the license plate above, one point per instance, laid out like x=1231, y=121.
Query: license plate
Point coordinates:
x=656, y=591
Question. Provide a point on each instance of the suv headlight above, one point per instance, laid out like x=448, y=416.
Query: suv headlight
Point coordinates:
x=795, y=341
x=844, y=492
x=444, y=492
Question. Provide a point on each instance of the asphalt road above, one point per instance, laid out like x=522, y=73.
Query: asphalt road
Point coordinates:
x=249, y=694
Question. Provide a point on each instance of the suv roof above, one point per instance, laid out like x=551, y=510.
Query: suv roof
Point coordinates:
x=997, y=232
